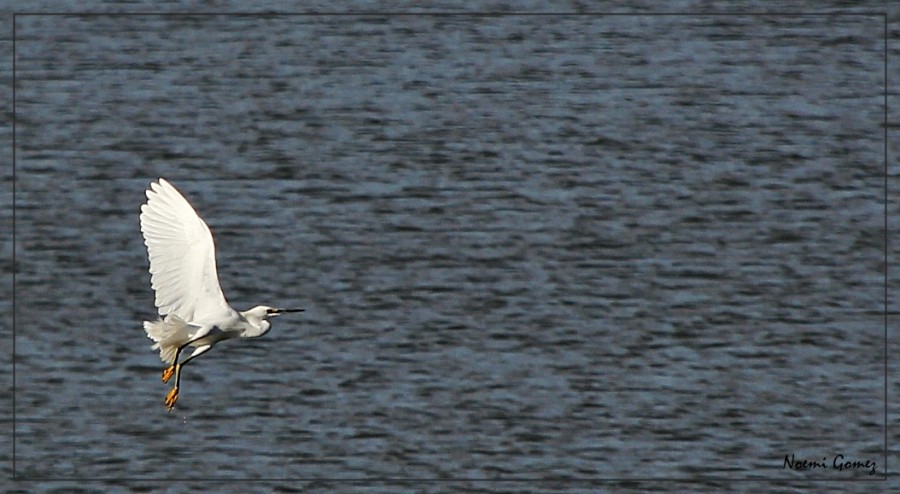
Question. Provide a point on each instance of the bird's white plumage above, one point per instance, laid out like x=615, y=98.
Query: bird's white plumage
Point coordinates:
x=183, y=275
x=182, y=256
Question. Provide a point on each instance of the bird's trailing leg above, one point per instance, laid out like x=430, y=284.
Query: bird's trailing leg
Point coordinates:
x=170, y=370
x=172, y=397
x=167, y=374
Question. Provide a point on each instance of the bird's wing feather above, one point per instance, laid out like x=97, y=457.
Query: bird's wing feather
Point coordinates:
x=182, y=256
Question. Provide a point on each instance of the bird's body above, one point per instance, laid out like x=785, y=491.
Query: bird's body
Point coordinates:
x=193, y=311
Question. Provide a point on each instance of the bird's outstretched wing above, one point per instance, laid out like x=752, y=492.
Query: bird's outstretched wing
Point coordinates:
x=182, y=256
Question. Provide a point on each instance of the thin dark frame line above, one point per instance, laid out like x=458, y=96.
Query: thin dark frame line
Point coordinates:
x=13, y=298
x=457, y=14
x=886, y=237
x=884, y=17
x=444, y=479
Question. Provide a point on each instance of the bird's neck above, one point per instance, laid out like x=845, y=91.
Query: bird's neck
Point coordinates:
x=257, y=327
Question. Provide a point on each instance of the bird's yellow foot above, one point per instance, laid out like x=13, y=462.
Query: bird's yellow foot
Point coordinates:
x=168, y=373
x=171, y=398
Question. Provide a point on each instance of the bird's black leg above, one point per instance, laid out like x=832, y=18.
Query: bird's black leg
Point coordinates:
x=173, y=395
x=175, y=368
x=178, y=369
x=167, y=374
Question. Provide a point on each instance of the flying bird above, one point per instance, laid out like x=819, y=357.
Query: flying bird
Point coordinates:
x=192, y=309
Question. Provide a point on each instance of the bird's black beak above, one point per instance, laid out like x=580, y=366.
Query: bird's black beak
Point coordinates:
x=283, y=311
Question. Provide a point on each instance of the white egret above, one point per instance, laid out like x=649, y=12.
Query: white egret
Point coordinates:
x=192, y=309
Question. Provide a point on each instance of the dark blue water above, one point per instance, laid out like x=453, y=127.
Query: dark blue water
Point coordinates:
x=528, y=247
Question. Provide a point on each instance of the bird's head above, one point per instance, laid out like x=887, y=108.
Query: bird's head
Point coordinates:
x=259, y=316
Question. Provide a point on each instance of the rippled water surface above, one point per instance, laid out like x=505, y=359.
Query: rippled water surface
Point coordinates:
x=529, y=247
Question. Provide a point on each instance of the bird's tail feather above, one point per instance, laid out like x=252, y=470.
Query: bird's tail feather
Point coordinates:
x=169, y=334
